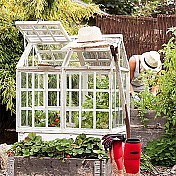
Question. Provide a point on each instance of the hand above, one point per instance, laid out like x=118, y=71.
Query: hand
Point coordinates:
x=136, y=98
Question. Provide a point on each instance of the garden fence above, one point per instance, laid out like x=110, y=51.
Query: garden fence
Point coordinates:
x=140, y=34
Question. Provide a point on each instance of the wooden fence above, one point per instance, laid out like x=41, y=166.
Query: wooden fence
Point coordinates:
x=140, y=34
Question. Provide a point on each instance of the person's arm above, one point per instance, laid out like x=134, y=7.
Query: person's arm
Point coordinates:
x=132, y=65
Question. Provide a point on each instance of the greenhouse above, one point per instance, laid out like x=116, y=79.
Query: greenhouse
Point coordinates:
x=63, y=91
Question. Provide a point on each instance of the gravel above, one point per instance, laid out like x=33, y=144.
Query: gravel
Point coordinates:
x=162, y=171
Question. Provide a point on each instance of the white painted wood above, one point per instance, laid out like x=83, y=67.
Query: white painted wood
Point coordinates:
x=65, y=63
x=42, y=31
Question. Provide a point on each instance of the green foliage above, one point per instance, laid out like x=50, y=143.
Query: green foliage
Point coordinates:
x=10, y=51
x=82, y=147
x=72, y=16
x=7, y=89
x=165, y=8
x=166, y=103
x=87, y=1
x=136, y=8
x=102, y=102
x=162, y=151
x=153, y=8
x=172, y=29
x=53, y=119
x=148, y=100
x=147, y=9
x=145, y=164
x=118, y=7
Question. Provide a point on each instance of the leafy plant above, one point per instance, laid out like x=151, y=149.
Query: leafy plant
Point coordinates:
x=40, y=118
x=147, y=99
x=147, y=8
x=10, y=52
x=166, y=102
x=82, y=147
x=118, y=7
x=53, y=118
x=72, y=15
x=102, y=102
x=162, y=151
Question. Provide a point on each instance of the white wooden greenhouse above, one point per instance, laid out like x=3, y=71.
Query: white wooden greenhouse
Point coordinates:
x=62, y=91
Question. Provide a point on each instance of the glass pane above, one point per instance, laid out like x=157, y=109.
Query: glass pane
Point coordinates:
x=74, y=61
x=91, y=55
x=23, y=98
x=39, y=82
x=73, y=81
x=26, y=118
x=102, y=100
x=117, y=119
x=26, y=99
x=52, y=98
x=102, y=120
x=39, y=100
x=90, y=81
x=54, y=118
x=52, y=81
x=23, y=80
x=72, y=98
x=115, y=99
x=40, y=118
x=29, y=99
x=87, y=99
x=102, y=82
x=121, y=117
x=87, y=119
x=30, y=118
x=29, y=80
x=72, y=119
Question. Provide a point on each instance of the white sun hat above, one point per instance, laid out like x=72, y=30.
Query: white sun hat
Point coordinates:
x=151, y=60
x=88, y=37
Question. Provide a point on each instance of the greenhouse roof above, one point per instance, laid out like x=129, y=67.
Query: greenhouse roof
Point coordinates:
x=45, y=32
x=50, y=45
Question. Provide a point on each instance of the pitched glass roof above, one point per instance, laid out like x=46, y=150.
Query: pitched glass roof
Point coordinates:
x=45, y=32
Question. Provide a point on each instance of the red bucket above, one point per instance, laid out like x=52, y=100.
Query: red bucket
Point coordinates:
x=132, y=155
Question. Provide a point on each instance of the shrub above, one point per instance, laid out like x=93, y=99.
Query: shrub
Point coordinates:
x=162, y=151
